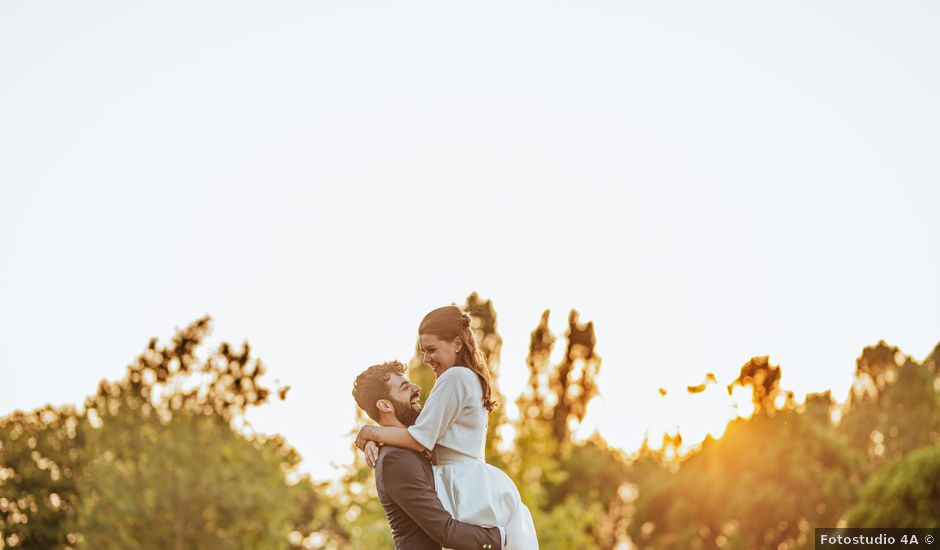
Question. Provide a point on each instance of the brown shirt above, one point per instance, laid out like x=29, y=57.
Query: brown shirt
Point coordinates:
x=405, y=483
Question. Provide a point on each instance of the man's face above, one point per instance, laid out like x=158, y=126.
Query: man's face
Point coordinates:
x=403, y=396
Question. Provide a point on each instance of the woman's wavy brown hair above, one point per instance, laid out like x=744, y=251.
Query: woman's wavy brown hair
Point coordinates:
x=451, y=322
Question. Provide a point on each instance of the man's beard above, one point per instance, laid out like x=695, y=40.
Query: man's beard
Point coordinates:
x=404, y=412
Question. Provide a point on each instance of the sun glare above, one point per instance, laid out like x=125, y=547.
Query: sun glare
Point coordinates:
x=693, y=413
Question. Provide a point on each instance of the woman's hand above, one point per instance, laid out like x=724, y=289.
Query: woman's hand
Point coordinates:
x=364, y=436
x=372, y=453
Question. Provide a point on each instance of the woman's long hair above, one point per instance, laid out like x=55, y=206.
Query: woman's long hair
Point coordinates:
x=450, y=322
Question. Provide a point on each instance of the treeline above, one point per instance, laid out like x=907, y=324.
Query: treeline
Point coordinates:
x=766, y=483
x=774, y=477
x=155, y=461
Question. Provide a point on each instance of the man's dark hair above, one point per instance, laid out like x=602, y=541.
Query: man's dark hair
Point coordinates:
x=372, y=385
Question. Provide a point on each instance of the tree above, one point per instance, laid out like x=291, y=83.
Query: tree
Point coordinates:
x=155, y=460
x=560, y=396
x=484, y=328
x=764, y=381
x=767, y=482
x=533, y=462
x=749, y=489
x=166, y=469
x=190, y=483
x=818, y=407
x=357, y=517
x=40, y=452
x=905, y=493
x=558, y=477
x=894, y=404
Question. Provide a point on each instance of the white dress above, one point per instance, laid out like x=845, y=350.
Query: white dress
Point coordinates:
x=452, y=424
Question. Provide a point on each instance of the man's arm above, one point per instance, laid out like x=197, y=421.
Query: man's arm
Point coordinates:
x=405, y=483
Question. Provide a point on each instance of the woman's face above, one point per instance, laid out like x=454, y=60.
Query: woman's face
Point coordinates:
x=439, y=354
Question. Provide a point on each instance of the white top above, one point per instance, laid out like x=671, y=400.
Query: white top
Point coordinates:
x=453, y=421
x=452, y=425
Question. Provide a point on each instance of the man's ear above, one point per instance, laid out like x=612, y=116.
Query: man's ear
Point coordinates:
x=384, y=405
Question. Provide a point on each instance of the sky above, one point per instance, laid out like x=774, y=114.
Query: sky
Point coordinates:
x=706, y=183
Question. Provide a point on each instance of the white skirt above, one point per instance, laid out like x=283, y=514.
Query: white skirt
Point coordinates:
x=477, y=493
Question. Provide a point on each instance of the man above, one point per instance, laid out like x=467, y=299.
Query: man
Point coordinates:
x=404, y=478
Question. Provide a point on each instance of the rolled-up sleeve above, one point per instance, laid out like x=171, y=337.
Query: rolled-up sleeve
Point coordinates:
x=443, y=406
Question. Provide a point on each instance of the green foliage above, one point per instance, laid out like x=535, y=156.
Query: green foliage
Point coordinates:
x=568, y=525
x=894, y=406
x=484, y=327
x=157, y=459
x=134, y=493
x=592, y=470
x=768, y=481
x=154, y=461
x=39, y=454
x=358, y=520
x=558, y=477
x=905, y=493
x=764, y=381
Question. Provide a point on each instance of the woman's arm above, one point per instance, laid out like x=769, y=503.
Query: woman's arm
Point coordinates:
x=388, y=435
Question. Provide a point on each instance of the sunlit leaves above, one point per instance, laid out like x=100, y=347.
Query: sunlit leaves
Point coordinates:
x=153, y=460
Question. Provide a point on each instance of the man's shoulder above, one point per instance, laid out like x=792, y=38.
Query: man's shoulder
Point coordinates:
x=397, y=455
x=396, y=461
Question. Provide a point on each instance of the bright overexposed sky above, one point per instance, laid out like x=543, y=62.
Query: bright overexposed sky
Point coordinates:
x=706, y=182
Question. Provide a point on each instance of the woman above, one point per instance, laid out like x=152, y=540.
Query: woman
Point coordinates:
x=453, y=424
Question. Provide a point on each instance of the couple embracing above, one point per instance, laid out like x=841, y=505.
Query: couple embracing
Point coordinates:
x=430, y=473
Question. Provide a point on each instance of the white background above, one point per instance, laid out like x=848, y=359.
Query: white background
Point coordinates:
x=705, y=182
